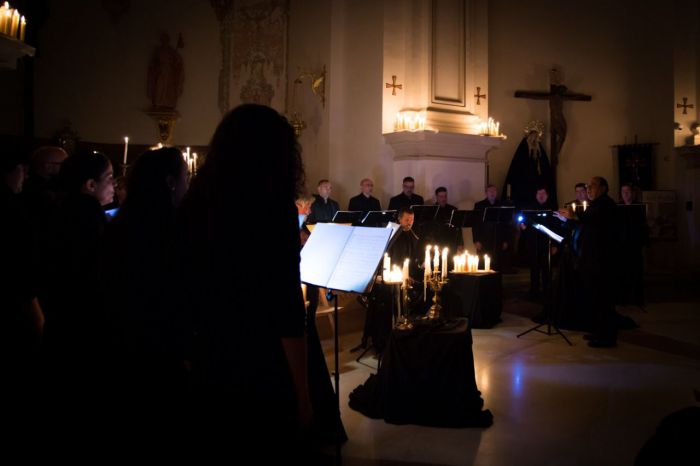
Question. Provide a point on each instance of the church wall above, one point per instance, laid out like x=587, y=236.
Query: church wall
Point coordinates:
x=93, y=71
x=309, y=51
x=355, y=121
x=607, y=50
x=622, y=54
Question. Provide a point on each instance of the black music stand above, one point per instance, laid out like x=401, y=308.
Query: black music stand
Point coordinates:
x=548, y=314
x=379, y=217
x=347, y=216
x=424, y=213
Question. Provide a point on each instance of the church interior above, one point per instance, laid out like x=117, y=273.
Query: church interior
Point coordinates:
x=445, y=92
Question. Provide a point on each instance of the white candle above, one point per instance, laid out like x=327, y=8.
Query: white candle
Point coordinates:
x=585, y=205
x=3, y=11
x=444, y=263
x=405, y=272
x=15, y=24
x=487, y=262
x=436, y=260
x=387, y=267
x=22, y=28
x=194, y=163
x=126, y=148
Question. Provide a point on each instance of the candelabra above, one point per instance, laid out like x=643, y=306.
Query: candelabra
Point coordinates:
x=402, y=322
x=436, y=282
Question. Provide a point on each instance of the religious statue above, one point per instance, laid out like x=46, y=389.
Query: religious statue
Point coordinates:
x=529, y=169
x=166, y=75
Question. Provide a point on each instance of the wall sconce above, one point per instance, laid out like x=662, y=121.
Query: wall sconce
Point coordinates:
x=318, y=88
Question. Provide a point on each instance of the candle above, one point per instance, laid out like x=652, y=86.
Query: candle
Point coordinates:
x=194, y=163
x=8, y=21
x=126, y=148
x=387, y=267
x=444, y=263
x=405, y=272
x=487, y=263
x=436, y=260
x=22, y=28
x=15, y=24
x=585, y=205
x=3, y=10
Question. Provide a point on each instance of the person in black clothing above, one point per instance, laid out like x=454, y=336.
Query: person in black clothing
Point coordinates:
x=597, y=261
x=365, y=201
x=249, y=365
x=21, y=317
x=407, y=197
x=537, y=244
x=324, y=208
x=147, y=336
x=74, y=330
x=492, y=238
x=440, y=231
x=633, y=236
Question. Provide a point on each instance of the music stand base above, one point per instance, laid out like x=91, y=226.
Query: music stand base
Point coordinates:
x=549, y=331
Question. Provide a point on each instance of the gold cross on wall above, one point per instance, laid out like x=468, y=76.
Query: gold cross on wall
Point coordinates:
x=393, y=85
x=685, y=106
x=479, y=96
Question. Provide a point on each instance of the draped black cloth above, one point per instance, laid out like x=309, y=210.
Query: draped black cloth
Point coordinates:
x=426, y=378
x=479, y=297
x=528, y=171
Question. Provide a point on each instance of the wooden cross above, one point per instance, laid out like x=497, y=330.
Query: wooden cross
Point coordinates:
x=479, y=95
x=394, y=85
x=685, y=106
x=557, y=94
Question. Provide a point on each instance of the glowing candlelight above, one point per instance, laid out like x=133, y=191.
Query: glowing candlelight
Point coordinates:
x=126, y=148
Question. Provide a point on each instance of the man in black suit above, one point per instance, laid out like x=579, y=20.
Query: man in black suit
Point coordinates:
x=407, y=197
x=365, y=201
x=324, y=208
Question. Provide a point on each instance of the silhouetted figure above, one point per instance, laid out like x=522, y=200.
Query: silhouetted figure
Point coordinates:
x=242, y=284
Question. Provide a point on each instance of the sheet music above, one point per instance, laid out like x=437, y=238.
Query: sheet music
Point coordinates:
x=548, y=232
x=321, y=252
x=341, y=257
x=356, y=266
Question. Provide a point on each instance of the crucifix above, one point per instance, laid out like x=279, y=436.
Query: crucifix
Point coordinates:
x=557, y=94
x=685, y=106
x=393, y=85
x=479, y=96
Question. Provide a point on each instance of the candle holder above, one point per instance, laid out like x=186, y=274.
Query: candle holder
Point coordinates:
x=402, y=322
x=436, y=283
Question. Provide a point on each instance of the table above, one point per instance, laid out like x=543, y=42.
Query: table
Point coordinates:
x=477, y=296
x=426, y=378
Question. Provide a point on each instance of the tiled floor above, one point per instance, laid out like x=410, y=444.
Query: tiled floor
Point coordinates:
x=553, y=404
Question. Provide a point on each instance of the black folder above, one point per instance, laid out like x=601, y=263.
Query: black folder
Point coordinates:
x=347, y=216
x=499, y=214
x=379, y=217
x=424, y=213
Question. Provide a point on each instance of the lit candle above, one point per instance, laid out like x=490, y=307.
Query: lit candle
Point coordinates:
x=487, y=263
x=15, y=24
x=22, y=28
x=585, y=205
x=405, y=272
x=8, y=21
x=387, y=266
x=194, y=163
x=444, y=263
x=126, y=148
x=436, y=260
x=3, y=11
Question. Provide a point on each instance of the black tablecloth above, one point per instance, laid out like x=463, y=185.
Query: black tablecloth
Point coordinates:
x=476, y=296
x=426, y=378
